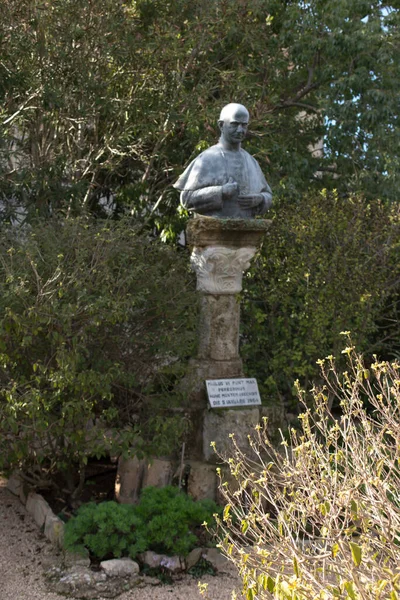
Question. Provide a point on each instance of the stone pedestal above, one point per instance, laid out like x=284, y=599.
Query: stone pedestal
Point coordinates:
x=219, y=424
x=221, y=252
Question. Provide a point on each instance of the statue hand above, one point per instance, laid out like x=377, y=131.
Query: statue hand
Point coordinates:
x=250, y=200
x=229, y=189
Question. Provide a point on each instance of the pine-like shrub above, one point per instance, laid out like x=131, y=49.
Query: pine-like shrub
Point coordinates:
x=104, y=529
x=164, y=521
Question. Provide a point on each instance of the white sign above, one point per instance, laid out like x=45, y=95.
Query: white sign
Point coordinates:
x=224, y=393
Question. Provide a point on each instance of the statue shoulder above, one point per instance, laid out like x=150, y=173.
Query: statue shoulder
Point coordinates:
x=249, y=157
x=255, y=169
x=200, y=171
x=209, y=155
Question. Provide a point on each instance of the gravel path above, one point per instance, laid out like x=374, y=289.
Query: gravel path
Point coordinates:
x=24, y=551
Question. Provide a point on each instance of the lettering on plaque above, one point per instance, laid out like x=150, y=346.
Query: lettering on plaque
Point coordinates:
x=226, y=393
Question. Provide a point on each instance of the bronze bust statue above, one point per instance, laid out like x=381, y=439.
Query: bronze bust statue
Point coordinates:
x=225, y=181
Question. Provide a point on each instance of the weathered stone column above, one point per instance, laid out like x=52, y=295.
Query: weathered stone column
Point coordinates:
x=221, y=252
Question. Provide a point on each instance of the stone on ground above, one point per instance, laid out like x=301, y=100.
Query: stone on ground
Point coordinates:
x=78, y=559
x=82, y=582
x=174, y=564
x=37, y=506
x=120, y=567
x=158, y=473
x=216, y=559
x=193, y=557
x=14, y=484
x=54, y=530
x=129, y=480
x=202, y=482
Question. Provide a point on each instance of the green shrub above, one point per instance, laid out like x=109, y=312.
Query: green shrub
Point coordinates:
x=319, y=517
x=164, y=521
x=328, y=264
x=95, y=321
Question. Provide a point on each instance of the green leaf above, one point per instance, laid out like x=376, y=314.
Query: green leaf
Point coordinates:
x=250, y=594
x=350, y=590
x=270, y=584
x=356, y=553
x=296, y=568
x=226, y=514
x=335, y=550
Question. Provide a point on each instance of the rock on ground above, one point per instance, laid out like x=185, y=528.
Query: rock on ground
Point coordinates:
x=153, y=560
x=85, y=584
x=123, y=567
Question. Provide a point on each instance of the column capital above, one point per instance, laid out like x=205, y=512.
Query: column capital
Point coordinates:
x=219, y=269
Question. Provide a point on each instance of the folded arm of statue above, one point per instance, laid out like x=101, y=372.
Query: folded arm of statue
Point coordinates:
x=266, y=201
x=203, y=200
x=260, y=202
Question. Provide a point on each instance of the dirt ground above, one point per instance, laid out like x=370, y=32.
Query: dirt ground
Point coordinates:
x=24, y=551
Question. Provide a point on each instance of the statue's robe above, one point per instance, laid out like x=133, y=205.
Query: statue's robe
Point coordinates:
x=201, y=183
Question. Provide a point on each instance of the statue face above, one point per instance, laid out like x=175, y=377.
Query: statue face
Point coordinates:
x=234, y=127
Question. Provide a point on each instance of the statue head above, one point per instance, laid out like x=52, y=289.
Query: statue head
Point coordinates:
x=233, y=123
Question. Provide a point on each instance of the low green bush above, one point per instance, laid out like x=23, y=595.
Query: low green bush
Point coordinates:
x=165, y=521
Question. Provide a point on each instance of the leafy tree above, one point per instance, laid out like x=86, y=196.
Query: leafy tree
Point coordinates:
x=96, y=320
x=111, y=99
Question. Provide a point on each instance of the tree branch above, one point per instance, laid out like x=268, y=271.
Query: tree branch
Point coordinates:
x=308, y=87
x=291, y=103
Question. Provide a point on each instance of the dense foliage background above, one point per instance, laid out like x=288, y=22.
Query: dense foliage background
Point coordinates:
x=114, y=97
x=329, y=264
x=103, y=103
